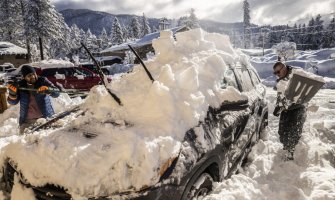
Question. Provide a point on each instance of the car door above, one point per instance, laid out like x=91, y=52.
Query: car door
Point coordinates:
x=232, y=119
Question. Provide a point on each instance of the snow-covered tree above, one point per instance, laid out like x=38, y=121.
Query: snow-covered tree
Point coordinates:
x=46, y=23
x=117, y=34
x=75, y=36
x=192, y=21
x=91, y=39
x=11, y=20
x=129, y=58
x=331, y=34
x=103, y=38
x=145, y=26
x=182, y=21
x=303, y=37
x=319, y=35
x=61, y=47
x=135, y=30
x=83, y=37
x=285, y=49
x=246, y=24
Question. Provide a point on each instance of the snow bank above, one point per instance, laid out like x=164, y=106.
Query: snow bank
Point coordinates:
x=132, y=142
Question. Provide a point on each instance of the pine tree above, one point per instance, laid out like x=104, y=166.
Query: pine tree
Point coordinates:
x=329, y=36
x=11, y=20
x=319, y=35
x=103, y=38
x=83, y=38
x=75, y=36
x=135, y=28
x=182, y=21
x=117, y=35
x=75, y=40
x=331, y=29
x=246, y=24
x=193, y=21
x=304, y=37
x=45, y=21
x=145, y=26
x=125, y=33
x=310, y=39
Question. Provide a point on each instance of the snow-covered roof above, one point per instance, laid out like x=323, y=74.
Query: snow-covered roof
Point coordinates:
x=7, y=48
x=147, y=39
x=52, y=63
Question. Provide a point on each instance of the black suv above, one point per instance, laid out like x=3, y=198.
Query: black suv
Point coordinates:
x=229, y=133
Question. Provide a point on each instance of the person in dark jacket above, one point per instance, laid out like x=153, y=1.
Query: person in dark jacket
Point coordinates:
x=33, y=92
x=292, y=117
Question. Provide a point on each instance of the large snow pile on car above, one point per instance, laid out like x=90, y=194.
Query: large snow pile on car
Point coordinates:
x=134, y=140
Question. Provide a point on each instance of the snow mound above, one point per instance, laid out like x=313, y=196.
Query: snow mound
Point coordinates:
x=132, y=142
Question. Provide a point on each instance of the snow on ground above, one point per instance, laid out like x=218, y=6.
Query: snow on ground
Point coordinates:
x=310, y=176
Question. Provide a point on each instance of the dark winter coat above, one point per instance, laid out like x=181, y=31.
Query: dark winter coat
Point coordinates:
x=43, y=101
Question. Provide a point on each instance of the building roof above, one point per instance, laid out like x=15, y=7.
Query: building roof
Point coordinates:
x=147, y=39
x=7, y=48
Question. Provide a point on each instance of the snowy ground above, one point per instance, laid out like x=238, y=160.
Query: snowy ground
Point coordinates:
x=310, y=176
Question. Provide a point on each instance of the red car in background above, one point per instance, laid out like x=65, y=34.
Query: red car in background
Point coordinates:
x=70, y=77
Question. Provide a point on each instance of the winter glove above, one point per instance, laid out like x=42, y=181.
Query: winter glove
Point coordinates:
x=43, y=90
x=276, y=111
x=12, y=90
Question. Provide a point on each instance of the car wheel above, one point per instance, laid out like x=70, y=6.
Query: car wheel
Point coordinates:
x=201, y=187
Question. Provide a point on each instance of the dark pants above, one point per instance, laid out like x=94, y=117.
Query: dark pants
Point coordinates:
x=290, y=127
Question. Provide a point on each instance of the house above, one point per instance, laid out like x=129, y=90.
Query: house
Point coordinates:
x=142, y=46
x=10, y=53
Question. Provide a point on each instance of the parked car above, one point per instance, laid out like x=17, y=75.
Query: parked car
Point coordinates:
x=4, y=69
x=7, y=67
x=70, y=77
x=230, y=131
x=63, y=77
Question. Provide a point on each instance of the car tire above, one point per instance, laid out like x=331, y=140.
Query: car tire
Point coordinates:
x=201, y=187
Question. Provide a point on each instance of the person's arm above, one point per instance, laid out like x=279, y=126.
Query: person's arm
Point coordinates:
x=13, y=94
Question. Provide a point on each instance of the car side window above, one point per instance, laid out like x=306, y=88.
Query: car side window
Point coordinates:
x=83, y=72
x=254, y=77
x=229, y=79
x=244, y=78
x=49, y=72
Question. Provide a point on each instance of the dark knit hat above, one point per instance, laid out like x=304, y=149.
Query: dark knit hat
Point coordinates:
x=27, y=69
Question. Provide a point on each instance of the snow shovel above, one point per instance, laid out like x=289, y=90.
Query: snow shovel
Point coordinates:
x=302, y=89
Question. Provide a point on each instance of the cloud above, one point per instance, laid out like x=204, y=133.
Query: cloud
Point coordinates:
x=262, y=11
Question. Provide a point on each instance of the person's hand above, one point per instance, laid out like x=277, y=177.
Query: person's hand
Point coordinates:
x=43, y=89
x=12, y=90
x=276, y=111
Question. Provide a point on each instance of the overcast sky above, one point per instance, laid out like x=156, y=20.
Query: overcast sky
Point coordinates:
x=262, y=11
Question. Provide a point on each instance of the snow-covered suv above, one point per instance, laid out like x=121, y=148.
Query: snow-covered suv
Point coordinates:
x=170, y=138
